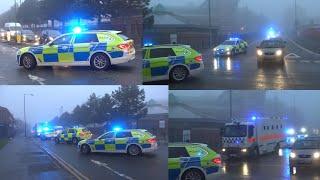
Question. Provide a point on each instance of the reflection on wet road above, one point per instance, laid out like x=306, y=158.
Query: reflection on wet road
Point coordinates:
x=242, y=72
x=266, y=167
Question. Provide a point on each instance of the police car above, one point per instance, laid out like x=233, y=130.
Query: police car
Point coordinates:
x=98, y=49
x=305, y=153
x=192, y=161
x=231, y=47
x=174, y=62
x=272, y=50
x=134, y=142
x=73, y=135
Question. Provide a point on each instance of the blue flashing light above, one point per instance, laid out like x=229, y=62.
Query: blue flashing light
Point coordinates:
x=234, y=39
x=46, y=129
x=39, y=130
x=147, y=44
x=77, y=29
x=117, y=128
x=253, y=118
x=291, y=131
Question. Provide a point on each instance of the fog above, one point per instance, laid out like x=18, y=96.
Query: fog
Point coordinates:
x=49, y=101
x=300, y=107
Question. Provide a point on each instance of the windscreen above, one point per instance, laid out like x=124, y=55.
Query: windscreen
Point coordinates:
x=271, y=44
x=229, y=43
x=235, y=131
x=306, y=144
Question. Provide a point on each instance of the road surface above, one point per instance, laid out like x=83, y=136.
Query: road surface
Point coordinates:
x=12, y=74
x=266, y=167
x=112, y=166
x=301, y=71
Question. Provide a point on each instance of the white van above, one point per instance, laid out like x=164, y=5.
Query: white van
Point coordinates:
x=253, y=136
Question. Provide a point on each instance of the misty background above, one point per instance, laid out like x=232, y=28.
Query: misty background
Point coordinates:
x=48, y=102
x=299, y=108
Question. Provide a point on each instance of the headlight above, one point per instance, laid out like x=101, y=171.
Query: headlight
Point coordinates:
x=316, y=155
x=293, y=155
x=259, y=52
x=244, y=150
x=214, y=49
x=228, y=49
x=279, y=52
x=223, y=150
x=35, y=36
x=51, y=38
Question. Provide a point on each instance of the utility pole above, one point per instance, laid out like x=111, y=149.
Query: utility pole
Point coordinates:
x=230, y=104
x=24, y=113
x=295, y=17
x=210, y=23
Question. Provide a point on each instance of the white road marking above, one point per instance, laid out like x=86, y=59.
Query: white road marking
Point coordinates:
x=110, y=169
x=37, y=79
x=305, y=61
x=298, y=45
x=292, y=56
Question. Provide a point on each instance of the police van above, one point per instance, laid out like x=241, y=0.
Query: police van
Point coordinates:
x=253, y=136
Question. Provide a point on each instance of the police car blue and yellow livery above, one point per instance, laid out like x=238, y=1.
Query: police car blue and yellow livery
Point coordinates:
x=73, y=135
x=98, y=49
x=230, y=47
x=192, y=161
x=170, y=62
x=134, y=142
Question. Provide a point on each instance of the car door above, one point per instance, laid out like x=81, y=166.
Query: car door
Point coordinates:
x=159, y=60
x=83, y=45
x=58, y=51
x=63, y=135
x=177, y=155
x=71, y=133
x=121, y=140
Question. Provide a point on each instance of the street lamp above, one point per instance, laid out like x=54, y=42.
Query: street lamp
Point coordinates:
x=24, y=113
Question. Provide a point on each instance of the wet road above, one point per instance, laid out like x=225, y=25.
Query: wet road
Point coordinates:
x=12, y=74
x=266, y=167
x=112, y=166
x=301, y=71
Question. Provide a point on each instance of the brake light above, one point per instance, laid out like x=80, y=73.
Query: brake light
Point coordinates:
x=152, y=140
x=198, y=58
x=251, y=140
x=124, y=46
x=216, y=160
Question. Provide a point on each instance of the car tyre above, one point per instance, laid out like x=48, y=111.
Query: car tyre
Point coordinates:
x=28, y=61
x=134, y=150
x=56, y=140
x=85, y=149
x=179, y=73
x=195, y=174
x=75, y=141
x=100, y=61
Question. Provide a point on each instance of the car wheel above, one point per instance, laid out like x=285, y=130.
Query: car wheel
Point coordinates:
x=100, y=61
x=179, y=73
x=28, y=61
x=56, y=140
x=85, y=149
x=193, y=174
x=134, y=150
x=74, y=140
x=293, y=170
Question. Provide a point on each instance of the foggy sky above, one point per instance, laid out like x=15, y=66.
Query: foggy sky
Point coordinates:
x=6, y=4
x=306, y=102
x=47, y=100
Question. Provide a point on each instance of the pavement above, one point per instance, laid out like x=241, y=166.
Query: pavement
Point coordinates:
x=265, y=167
x=12, y=74
x=21, y=159
x=301, y=71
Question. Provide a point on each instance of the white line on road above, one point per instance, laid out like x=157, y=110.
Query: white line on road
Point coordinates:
x=298, y=45
x=37, y=79
x=292, y=56
x=65, y=165
x=112, y=170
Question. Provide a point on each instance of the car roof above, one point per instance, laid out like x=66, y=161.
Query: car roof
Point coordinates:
x=165, y=46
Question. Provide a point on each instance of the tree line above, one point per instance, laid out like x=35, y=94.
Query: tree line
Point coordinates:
x=34, y=12
x=127, y=102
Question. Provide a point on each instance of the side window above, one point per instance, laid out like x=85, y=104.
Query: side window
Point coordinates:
x=71, y=131
x=161, y=52
x=251, y=131
x=123, y=134
x=107, y=136
x=66, y=39
x=177, y=152
x=86, y=38
x=144, y=53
